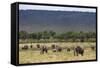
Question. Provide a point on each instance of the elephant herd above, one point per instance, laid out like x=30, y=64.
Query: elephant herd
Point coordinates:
x=55, y=48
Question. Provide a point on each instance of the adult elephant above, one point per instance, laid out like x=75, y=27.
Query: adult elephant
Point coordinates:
x=38, y=45
x=93, y=48
x=56, y=48
x=43, y=49
x=59, y=49
x=78, y=50
x=68, y=49
x=25, y=47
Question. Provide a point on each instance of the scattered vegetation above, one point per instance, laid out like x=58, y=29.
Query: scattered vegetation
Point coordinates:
x=51, y=36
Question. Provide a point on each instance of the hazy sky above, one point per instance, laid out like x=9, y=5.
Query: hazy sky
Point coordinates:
x=54, y=8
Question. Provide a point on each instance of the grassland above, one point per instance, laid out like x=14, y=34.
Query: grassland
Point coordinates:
x=33, y=55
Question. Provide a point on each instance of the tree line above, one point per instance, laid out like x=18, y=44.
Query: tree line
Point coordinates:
x=70, y=35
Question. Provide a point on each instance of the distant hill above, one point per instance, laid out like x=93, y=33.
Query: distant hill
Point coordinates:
x=58, y=21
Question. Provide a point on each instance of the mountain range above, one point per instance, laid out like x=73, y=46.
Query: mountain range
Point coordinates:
x=58, y=21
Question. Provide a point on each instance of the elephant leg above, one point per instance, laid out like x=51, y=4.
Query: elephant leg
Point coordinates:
x=74, y=53
x=81, y=54
x=42, y=52
x=77, y=54
x=45, y=51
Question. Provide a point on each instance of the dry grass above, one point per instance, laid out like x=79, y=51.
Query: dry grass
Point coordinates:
x=31, y=56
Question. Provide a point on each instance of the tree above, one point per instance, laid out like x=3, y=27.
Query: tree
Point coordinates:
x=23, y=35
x=52, y=33
x=39, y=35
x=82, y=36
x=45, y=35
